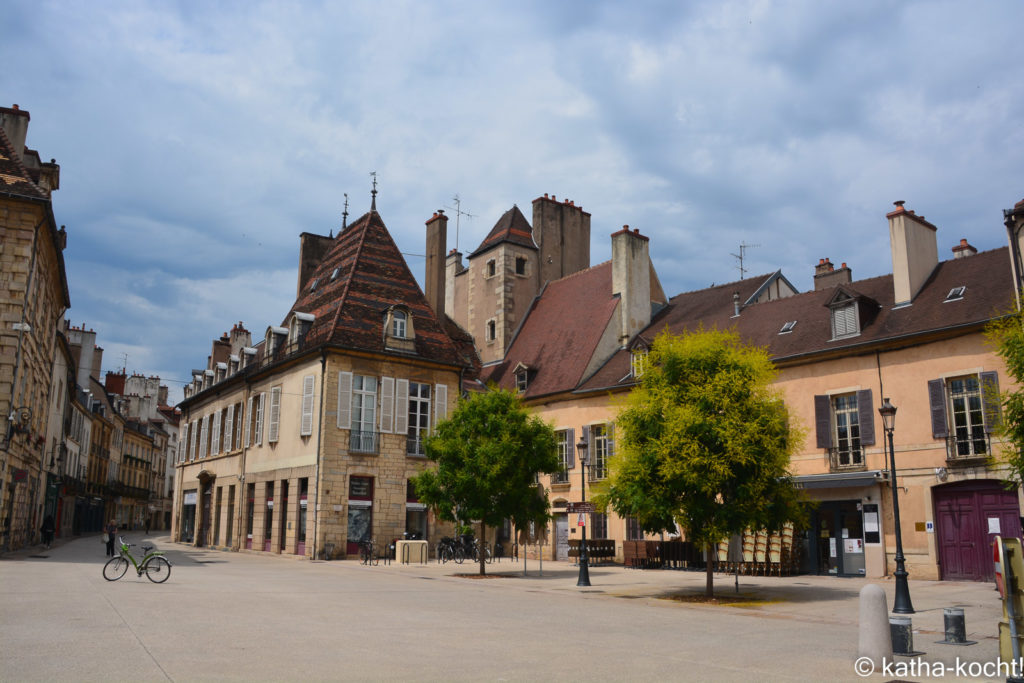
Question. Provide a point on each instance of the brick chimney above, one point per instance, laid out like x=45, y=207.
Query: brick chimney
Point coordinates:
x=14, y=121
x=437, y=249
x=826, y=275
x=312, y=250
x=915, y=252
x=631, y=280
x=963, y=250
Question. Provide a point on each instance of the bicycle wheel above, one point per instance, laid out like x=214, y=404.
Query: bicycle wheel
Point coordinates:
x=115, y=568
x=487, y=554
x=460, y=556
x=446, y=555
x=158, y=569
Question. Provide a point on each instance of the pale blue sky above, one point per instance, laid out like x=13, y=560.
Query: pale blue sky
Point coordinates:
x=197, y=140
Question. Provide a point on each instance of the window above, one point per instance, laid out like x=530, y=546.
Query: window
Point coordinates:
x=522, y=380
x=845, y=423
x=788, y=327
x=259, y=418
x=956, y=294
x=520, y=265
x=599, y=525
x=491, y=269
x=334, y=274
x=844, y=321
x=363, y=437
x=275, y=415
x=971, y=405
x=638, y=362
x=419, y=417
x=491, y=331
x=633, y=530
x=398, y=324
x=312, y=285
x=600, y=448
x=565, y=445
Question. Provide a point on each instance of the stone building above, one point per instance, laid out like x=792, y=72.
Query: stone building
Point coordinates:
x=302, y=442
x=33, y=298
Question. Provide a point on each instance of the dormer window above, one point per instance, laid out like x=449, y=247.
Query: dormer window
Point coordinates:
x=956, y=294
x=312, y=285
x=522, y=375
x=399, y=324
x=334, y=274
x=300, y=324
x=788, y=327
x=638, y=362
x=398, y=329
x=274, y=338
x=844, y=321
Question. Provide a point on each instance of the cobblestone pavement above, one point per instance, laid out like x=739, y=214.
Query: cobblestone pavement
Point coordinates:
x=242, y=616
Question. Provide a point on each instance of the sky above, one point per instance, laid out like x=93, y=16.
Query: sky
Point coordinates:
x=198, y=140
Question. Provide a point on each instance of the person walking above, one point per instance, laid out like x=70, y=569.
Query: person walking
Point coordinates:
x=47, y=529
x=147, y=525
x=110, y=530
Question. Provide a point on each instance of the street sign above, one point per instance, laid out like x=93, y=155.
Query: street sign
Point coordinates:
x=586, y=508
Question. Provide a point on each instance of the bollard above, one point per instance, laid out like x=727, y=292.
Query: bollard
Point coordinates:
x=956, y=629
x=875, y=640
x=902, y=636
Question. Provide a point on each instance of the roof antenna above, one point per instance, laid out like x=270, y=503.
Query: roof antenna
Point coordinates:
x=344, y=215
x=373, y=201
x=740, y=256
x=458, y=214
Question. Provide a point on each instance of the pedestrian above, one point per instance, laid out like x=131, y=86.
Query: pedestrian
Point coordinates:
x=147, y=526
x=110, y=530
x=47, y=530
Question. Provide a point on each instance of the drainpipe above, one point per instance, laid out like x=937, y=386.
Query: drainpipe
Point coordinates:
x=319, y=436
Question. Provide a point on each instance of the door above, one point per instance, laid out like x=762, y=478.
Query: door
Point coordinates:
x=562, y=537
x=835, y=545
x=968, y=517
x=204, y=521
x=360, y=513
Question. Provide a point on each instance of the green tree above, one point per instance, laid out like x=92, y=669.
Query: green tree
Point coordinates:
x=1007, y=336
x=705, y=443
x=488, y=455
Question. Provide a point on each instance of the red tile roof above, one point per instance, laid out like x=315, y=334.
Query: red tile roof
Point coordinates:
x=14, y=177
x=511, y=227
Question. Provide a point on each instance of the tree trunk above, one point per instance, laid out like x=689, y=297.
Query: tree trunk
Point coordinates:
x=709, y=587
x=482, y=544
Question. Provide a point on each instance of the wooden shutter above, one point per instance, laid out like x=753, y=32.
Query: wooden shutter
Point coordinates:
x=990, y=400
x=202, y=437
x=248, y=422
x=610, y=442
x=195, y=437
x=570, y=454
x=308, y=385
x=440, y=402
x=590, y=442
x=402, y=406
x=823, y=421
x=387, y=404
x=275, y=415
x=215, y=438
x=344, y=400
x=866, y=417
x=937, y=400
x=229, y=429
x=260, y=410
x=182, y=442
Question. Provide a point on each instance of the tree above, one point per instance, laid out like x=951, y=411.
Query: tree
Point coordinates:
x=704, y=442
x=1007, y=336
x=488, y=455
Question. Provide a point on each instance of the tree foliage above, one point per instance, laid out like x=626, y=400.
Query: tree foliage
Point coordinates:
x=704, y=442
x=1007, y=336
x=488, y=455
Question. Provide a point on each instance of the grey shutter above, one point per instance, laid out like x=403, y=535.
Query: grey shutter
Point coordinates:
x=610, y=443
x=248, y=422
x=823, y=421
x=402, y=406
x=344, y=400
x=866, y=417
x=387, y=404
x=570, y=455
x=990, y=400
x=308, y=388
x=937, y=399
x=440, y=403
x=590, y=442
x=229, y=429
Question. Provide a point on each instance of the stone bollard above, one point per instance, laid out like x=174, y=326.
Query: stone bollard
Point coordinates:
x=875, y=642
x=902, y=636
x=956, y=628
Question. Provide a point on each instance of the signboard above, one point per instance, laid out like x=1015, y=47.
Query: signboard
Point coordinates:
x=581, y=520
x=18, y=475
x=872, y=533
x=585, y=508
x=190, y=498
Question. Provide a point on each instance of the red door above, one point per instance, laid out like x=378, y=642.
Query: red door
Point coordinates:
x=968, y=517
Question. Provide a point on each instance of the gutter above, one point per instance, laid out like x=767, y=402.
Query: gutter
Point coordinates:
x=319, y=435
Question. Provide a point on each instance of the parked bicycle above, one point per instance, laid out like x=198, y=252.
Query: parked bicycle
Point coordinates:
x=154, y=564
x=367, y=554
x=448, y=549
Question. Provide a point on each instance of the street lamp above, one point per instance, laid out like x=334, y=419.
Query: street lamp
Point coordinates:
x=901, y=602
x=581, y=450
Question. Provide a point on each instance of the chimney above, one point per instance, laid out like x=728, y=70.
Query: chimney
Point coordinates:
x=735, y=304
x=437, y=248
x=14, y=121
x=115, y=383
x=561, y=231
x=915, y=252
x=452, y=267
x=631, y=280
x=312, y=250
x=825, y=275
x=963, y=250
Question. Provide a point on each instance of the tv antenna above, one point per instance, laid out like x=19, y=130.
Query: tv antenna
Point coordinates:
x=742, y=255
x=124, y=362
x=459, y=213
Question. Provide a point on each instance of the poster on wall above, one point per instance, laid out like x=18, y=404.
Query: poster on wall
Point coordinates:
x=853, y=546
x=832, y=547
x=871, y=531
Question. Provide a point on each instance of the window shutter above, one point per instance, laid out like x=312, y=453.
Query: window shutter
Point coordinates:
x=308, y=385
x=202, y=437
x=229, y=429
x=248, y=422
x=387, y=404
x=344, y=400
x=937, y=400
x=275, y=415
x=990, y=400
x=182, y=443
x=823, y=421
x=260, y=410
x=215, y=439
x=440, y=402
x=590, y=442
x=402, y=406
x=570, y=452
x=866, y=417
x=610, y=442
x=195, y=436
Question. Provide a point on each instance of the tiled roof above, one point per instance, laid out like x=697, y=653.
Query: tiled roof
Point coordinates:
x=988, y=294
x=371, y=277
x=14, y=177
x=560, y=333
x=511, y=227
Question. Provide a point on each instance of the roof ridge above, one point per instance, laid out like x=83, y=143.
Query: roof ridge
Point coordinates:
x=582, y=272
x=352, y=271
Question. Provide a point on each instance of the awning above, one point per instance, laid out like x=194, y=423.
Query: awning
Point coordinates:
x=840, y=480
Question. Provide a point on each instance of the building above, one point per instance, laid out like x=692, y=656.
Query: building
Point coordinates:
x=33, y=298
x=303, y=442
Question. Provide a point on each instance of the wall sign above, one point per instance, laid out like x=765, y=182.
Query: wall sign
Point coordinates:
x=872, y=533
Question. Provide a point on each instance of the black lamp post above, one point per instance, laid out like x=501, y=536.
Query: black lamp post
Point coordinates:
x=901, y=602
x=581, y=450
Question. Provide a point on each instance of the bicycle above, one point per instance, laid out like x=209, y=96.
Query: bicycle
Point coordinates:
x=450, y=550
x=366, y=553
x=156, y=566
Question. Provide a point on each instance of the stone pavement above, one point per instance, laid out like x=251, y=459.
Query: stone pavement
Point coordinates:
x=240, y=616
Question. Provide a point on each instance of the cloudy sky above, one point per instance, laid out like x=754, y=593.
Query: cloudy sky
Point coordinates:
x=198, y=140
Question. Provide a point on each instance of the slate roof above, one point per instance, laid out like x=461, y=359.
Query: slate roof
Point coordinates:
x=371, y=277
x=14, y=177
x=560, y=333
x=511, y=227
x=989, y=294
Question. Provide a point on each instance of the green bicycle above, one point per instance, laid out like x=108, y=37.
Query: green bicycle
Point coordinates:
x=154, y=564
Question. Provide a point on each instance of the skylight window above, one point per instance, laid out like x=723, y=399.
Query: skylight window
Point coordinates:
x=956, y=293
x=312, y=285
x=334, y=274
x=788, y=327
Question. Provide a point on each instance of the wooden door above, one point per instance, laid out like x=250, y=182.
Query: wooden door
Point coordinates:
x=969, y=515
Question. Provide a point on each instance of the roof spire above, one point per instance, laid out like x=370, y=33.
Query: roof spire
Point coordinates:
x=373, y=194
x=344, y=215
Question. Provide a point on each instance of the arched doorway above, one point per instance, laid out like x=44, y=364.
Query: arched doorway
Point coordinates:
x=968, y=516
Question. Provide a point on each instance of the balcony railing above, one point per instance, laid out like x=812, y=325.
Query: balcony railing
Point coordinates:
x=362, y=441
x=560, y=477
x=967, y=449
x=845, y=461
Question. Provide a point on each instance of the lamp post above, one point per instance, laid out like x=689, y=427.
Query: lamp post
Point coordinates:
x=901, y=602
x=581, y=450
